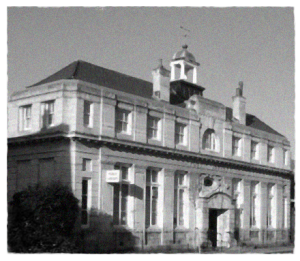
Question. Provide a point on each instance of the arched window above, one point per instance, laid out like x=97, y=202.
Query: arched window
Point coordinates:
x=210, y=140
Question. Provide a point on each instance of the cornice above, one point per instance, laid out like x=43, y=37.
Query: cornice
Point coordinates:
x=155, y=150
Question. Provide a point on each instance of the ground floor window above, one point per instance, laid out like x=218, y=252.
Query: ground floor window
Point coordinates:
x=85, y=201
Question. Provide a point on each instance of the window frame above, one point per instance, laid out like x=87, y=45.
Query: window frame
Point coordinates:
x=88, y=114
x=254, y=150
x=48, y=112
x=152, y=185
x=271, y=206
x=210, y=140
x=154, y=129
x=180, y=134
x=87, y=164
x=254, y=198
x=124, y=120
x=86, y=200
x=121, y=194
x=271, y=154
x=236, y=146
x=23, y=117
x=180, y=215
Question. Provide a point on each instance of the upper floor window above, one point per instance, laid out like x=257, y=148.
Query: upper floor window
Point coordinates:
x=254, y=150
x=210, y=140
x=47, y=109
x=285, y=157
x=236, y=146
x=88, y=113
x=154, y=128
x=123, y=121
x=25, y=118
x=270, y=155
x=180, y=134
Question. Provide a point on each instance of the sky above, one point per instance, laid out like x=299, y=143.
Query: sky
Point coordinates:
x=253, y=45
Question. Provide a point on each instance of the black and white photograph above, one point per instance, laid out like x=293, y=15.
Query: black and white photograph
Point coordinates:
x=150, y=129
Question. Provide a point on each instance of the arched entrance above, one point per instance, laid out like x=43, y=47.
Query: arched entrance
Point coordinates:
x=220, y=217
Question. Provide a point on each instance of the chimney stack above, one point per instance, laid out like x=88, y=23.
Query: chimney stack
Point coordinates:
x=239, y=105
x=161, y=82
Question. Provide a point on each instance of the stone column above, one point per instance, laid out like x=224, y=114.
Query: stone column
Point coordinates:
x=168, y=210
x=202, y=220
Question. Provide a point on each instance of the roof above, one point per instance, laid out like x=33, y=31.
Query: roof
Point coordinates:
x=84, y=71
x=253, y=121
x=184, y=54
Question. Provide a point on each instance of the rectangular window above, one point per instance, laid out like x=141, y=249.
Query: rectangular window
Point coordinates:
x=123, y=121
x=236, y=146
x=270, y=206
x=152, y=196
x=180, y=133
x=254, y=211
x=180, y=203
x=85, y=201
x=86, y=164
x=121, y=196
x=47, y=109
x=25, y=118
x=87, y=113
x=254, y=150
x=153, y=128
x=270, y=156
x=285, y=157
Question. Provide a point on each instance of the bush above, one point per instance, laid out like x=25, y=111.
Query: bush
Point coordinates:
x=42, y=219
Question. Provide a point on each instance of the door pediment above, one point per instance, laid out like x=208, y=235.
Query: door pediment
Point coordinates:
x=220, y=201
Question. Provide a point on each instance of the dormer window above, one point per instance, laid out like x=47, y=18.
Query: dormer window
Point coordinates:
x=210, y=140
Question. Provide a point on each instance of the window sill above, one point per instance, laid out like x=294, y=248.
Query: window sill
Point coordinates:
x=121, y=228
x=181, y=229
x=124, y=136
x=154, y=141
x=155, y=229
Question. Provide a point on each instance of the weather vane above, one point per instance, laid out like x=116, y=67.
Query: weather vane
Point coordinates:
x=186, y=34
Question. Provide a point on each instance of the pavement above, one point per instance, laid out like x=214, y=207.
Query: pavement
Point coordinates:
x=252, y=250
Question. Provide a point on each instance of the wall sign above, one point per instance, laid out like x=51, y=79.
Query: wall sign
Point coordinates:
x=113, y=176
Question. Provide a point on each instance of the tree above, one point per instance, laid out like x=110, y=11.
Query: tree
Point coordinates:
x=42, y=219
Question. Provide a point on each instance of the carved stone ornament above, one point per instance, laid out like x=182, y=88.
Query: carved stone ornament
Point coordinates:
x=211, y=184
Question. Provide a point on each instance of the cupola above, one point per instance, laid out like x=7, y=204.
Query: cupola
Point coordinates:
x=185, y=62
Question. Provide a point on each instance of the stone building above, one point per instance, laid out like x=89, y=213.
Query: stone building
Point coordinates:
x=153, y=164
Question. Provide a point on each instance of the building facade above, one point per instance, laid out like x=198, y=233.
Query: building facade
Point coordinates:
x=153, y=164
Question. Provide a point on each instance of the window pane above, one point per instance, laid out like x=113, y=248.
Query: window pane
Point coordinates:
x=154, y=176
x=181, y=205
x=147, y=206
x=175, y=206
x=116, y=204
x=124, y=171
x=84, y=187
x=154, y=212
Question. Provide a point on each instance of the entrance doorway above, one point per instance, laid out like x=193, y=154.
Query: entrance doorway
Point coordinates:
x=218, y=225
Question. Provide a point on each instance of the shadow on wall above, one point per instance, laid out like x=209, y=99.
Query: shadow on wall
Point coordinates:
x=101, y=236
